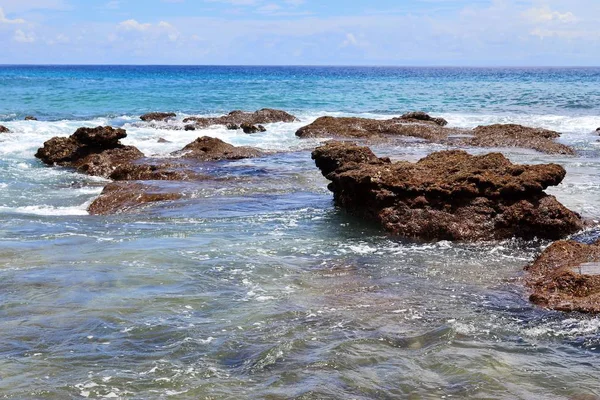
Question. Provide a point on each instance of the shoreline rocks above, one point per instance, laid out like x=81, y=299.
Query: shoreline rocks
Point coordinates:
x=448, y=195
x=4, y=129
x=95, y=151
x=237, y=118
x=207, y=148
x=566, y=277
x=30, y=118
x=421, y=125
x=157, y=116
x=119, y=197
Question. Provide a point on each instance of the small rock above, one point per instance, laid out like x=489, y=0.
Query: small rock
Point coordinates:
x=212, y=149
x=190, y=127
x=157, y=116
x=4, y=129
x=162, y=140
x=249, y=128
x=119, y=197
x=30, y=118
x=232, y=127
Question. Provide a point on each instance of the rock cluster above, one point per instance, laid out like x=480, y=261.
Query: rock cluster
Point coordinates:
x=421, y=125
x=237, y=118
x=95, y=151
x=448, y=195
x=566, y=277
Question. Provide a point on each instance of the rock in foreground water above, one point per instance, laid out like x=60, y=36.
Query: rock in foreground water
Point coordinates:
x=4, y=129
x=566, y=277
x=448, y=195
x=119, y=197
x=157, y=116
x=423, y=126
x=237, y=118
x=95, y=151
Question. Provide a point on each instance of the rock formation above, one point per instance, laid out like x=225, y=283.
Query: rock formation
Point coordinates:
x=121, y=197
x=566, y=277
x=4, y=129
x=421, y=125
x=30, y=118
x=249, y=128
x=448, y=195
x=237, y=118
x=212, y=149
x=157, y=116
x=95, y=151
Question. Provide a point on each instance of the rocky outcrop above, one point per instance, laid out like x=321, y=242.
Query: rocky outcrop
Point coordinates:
x=249, y=128
x=189, y=127
x=566, y=277
x=119, y=197
x=30, y=118
x=421, y=125
x=448, y=195
x=237, y=118
x=153, y=172
x=157, y=116
x=95, y=151
x=212, y=149
x=4, y=129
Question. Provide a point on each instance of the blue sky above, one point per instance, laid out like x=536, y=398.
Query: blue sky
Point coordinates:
x=301, y=32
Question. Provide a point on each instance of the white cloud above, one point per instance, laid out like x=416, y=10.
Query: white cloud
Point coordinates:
x=546, y=14
x=4, y=20
x=113, y=5
x=133, y=25
x=23, y=37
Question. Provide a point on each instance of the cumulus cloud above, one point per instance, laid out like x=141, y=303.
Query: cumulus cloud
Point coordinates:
x=23, y=37
x=133, y=25
x=4, y=20
x=546, y=14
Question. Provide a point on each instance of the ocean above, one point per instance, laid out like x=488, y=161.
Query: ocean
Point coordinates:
x=258, y=286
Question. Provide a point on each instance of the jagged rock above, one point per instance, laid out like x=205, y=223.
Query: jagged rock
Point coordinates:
x=4, y=129
x=448, y=195
x=419, y=126
x=233, y=127
x=189, y=127
x=422, y=116
x=237, y=117
x=249, y=128
x=162, y=140
x=157, y=116
x=212, y=149
x=154, y=172
x=119, y=197
x=566, y=277
x=30, y=118
x=95, y=151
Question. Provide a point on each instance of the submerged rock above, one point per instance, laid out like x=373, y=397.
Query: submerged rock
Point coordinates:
x=249, y=128
x=157, y=116
x=4, y=129
x=118, y=197
x=208, y=148
x=237, y=118
x=153, y=172
x=95, y=151
x=162, y=140
x=566, y=277
x=189, y=127
x=30, y=118
x=448, y=195
x=421, y=125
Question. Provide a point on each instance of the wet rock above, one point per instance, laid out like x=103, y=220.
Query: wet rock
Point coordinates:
x=233, y=127
x=154, y=172
x=422, y=116
x=4, y=129
x=249, y=128
x=237, y=117
x=448, y=195
x=157, y=116
x=162, y=140
x=212, y=149
x=95, y=151
x=119, y=197
x=566, y=277
x=189, y=127
x=597, y=129
x=30, y=118
x=431, y=129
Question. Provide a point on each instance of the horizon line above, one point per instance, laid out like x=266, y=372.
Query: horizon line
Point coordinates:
x=295, y=65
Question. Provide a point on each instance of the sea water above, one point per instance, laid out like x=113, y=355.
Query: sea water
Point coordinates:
x=257, y=286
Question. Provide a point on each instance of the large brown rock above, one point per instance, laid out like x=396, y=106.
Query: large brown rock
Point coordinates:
x=4, y=129
x=237, y=118
x=157, y=116
x=421, y=125
x=566, y=277
x=449, y=195
x=119, y=197
x=154, y=172
x=95, y=151
x=208, y=148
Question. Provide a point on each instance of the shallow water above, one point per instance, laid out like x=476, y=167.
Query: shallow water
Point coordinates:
x=260, y=287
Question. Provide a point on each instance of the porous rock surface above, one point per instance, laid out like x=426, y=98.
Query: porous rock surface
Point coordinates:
x=448, y=195
x=207, y=148
x=237, y=118
x=566, y=277
x=119, y=197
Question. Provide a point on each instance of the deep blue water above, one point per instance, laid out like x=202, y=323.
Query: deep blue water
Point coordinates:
x=87, y=91
x=257, y=286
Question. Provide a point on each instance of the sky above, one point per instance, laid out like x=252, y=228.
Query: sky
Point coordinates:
x=302, y=32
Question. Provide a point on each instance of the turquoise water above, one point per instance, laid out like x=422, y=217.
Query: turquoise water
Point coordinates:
x=260, y=287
